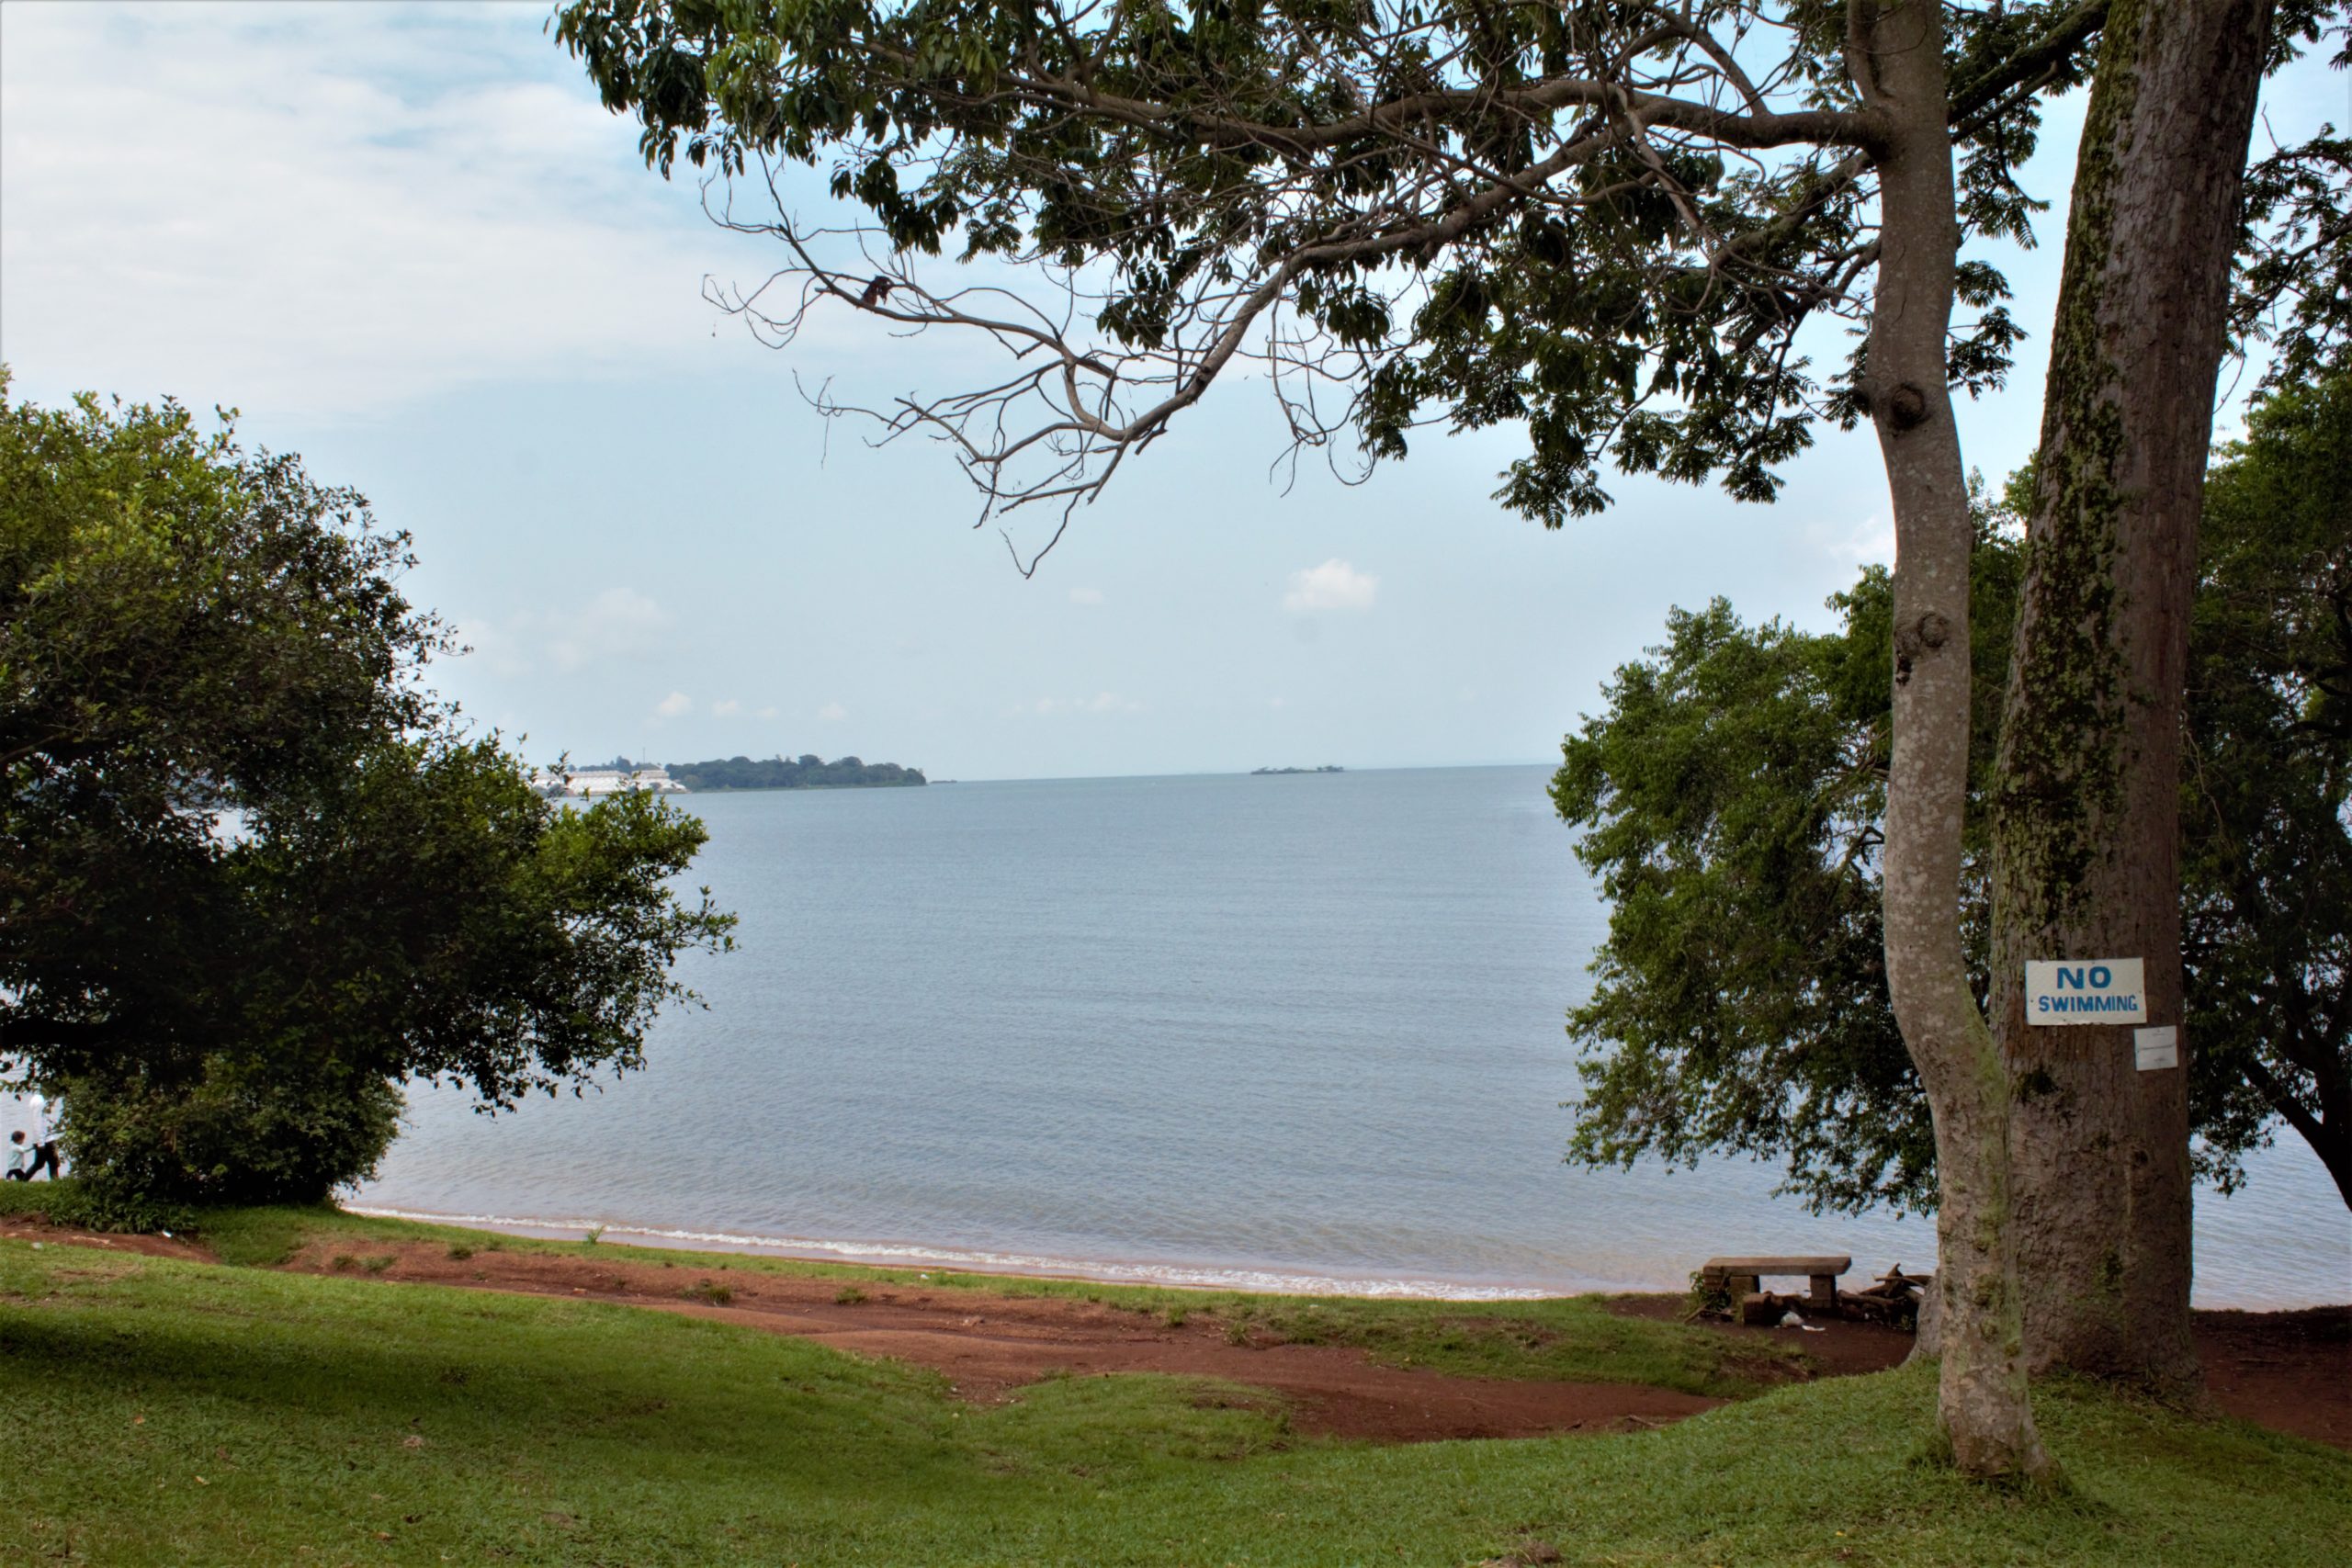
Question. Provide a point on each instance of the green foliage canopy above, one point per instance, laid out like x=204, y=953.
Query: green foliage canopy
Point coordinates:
x=2266, y=804
x=246, y=1130
x=1608, y=224
x=1730, y=795
x=182, y=629
x=2294, y=288
x=244, y=852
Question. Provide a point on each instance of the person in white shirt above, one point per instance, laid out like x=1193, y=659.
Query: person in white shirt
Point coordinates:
x=20, y=1155
x=44, y=1142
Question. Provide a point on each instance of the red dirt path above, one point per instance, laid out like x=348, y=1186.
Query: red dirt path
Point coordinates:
x=989, y=1345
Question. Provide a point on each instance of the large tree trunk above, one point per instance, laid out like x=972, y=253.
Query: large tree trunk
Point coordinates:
x=1897, y=62
x=2085, y=834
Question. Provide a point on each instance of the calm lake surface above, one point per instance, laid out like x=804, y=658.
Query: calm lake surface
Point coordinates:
x=1273, y=1032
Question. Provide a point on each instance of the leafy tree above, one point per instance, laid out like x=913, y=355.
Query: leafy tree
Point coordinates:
x=2266, y=797
x=1731, y=792
x=246, y=860
x=1591, y=220
x=243, y=1130
x=2295, y=257
x=177, y=621
x=1733, y=795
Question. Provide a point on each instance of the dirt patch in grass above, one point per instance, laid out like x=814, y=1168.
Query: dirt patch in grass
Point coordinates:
x=1841, y=1349
x=2288, y=1370
x=2291, y=1371
x=31, y=1227
x=988, y=1346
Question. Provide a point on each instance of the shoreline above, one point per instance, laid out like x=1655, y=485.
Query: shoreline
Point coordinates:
x=1247, y=1280
x=1255, y=1279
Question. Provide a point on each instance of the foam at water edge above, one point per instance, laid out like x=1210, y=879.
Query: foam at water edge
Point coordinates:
x=891, y=1254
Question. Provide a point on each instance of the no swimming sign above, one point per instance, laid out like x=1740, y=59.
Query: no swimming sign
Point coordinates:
x=2093, y=990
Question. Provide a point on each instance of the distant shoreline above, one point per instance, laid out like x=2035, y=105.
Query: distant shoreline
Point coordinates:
x=724, y=775
x=781, y=789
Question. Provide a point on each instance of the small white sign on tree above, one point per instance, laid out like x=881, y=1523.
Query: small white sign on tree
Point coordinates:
x=2154, y=1050
x=2091, y=990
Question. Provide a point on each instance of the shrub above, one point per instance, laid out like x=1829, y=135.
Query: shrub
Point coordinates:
x=85, y=1206
x=1706, y=1300
x=241, y=1131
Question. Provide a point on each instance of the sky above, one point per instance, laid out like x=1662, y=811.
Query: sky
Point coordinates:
x=406, y=242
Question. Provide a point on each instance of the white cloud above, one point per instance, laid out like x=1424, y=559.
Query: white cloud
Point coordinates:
x=832, y=712
x=1334, y=585
x=332, y=208
x=726, y=708
x=619, y=623
x=1871, y=541
x=495, y=645
x=677, y=705
x=768, y=712
x=1278, y=701
x=1086, y=595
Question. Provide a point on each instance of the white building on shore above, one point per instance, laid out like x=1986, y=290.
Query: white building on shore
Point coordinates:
x=587, y=783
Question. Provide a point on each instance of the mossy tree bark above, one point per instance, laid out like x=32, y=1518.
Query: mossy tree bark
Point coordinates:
x=2085, y=830
x=1896, y=57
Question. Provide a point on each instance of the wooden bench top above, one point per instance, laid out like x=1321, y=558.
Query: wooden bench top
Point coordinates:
x=1779, y=1265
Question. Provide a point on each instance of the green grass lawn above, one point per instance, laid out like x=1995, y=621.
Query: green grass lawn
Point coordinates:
x=171, y=1413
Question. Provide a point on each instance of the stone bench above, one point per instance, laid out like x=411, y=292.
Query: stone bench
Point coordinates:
x=1745, y=1276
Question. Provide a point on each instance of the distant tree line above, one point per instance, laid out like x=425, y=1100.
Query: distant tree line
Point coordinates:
x=806, y=771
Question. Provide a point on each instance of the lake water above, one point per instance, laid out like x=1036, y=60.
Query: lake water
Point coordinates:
x=1273, y=1032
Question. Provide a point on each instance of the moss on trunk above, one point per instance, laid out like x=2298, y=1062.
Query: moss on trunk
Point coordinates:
x=2085, y=827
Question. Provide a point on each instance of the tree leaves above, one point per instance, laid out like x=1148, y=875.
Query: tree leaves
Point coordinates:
x=1729, y=794
x=1615, y=225
x=238, y=834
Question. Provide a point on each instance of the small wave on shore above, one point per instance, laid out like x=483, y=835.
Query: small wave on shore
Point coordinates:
x=900, y=1255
